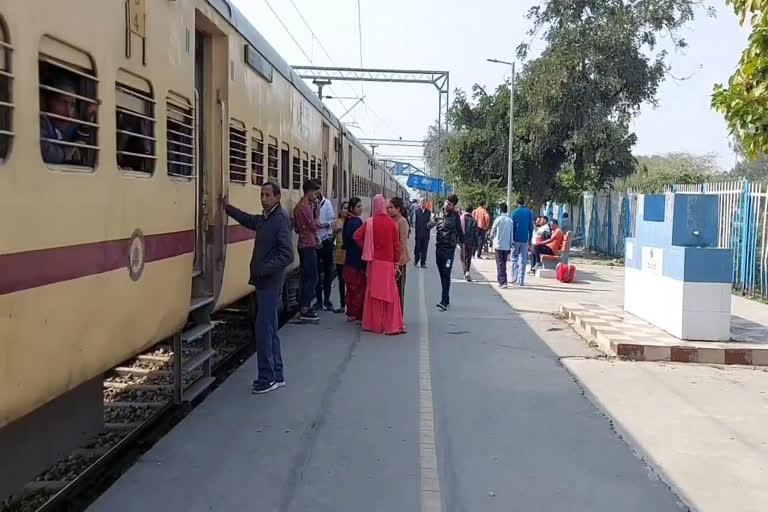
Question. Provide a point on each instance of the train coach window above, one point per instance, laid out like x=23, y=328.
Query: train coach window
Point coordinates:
x=273, y=174
x=312, y=168
x=285, y=166
x=305, y=167
x=238, y=152
x=296, y=171
x=136, y=143
x=180, y=132
x=257, y=158
x=68, y=105
x=6, y=99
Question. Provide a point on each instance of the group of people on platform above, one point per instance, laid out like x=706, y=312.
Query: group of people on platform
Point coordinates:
x=522, y=237
x=368, y=257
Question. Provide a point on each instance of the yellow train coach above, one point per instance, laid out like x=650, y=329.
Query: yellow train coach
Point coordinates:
x=121, y=123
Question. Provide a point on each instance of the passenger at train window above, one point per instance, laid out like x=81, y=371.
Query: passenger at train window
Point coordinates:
x=58, y=112
x=129, y=147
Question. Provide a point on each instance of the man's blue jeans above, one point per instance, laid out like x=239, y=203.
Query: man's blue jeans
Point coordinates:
x=519, y=261
x=269, y=354
x=308, y=263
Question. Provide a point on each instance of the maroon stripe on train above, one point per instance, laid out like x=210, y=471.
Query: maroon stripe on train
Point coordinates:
x=237, y=233
x=31, y=269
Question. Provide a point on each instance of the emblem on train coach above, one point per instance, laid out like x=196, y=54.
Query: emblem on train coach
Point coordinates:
x=136, y=255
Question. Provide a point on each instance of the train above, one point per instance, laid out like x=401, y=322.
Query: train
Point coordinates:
x=121, y=124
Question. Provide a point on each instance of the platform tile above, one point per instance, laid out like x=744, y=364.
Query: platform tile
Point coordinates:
x=621, y=334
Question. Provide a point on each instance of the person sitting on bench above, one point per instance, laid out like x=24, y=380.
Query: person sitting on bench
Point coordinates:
x=551, y=246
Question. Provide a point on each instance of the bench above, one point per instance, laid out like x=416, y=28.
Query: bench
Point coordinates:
x=550, y=262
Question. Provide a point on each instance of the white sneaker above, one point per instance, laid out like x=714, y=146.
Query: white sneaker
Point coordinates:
x=260, y=389
x=503, y=286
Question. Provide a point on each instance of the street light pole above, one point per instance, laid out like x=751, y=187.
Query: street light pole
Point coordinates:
x=511, y=128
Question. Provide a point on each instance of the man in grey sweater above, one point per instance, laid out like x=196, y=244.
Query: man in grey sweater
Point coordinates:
x=272, y=253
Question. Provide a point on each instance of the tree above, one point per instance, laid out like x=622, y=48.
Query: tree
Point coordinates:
x=752, y=169
x=573, y=104
x=600, y=74
x=655, y=173
x=744, y=102
x=431, y=146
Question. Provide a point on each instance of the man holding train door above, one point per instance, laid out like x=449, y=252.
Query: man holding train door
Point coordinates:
x=272, y=253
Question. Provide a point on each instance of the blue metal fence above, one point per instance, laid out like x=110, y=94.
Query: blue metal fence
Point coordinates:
x=602, y=221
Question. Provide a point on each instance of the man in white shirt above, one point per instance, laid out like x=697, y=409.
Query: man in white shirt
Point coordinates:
x=325, y=218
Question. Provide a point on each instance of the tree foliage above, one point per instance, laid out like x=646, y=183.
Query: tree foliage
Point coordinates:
x=752, y=169
x=655, y=173
x=431, y=146
x=744, y=102
x=573, y=104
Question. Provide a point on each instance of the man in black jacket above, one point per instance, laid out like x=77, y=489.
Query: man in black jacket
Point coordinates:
x=449, y=234
x=422, y=216
x=272, y=253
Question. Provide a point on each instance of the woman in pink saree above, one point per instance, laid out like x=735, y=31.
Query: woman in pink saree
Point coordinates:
x=380, y=241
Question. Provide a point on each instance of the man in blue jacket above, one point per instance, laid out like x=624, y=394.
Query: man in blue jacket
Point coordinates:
x=272, y=253
x=522, y=234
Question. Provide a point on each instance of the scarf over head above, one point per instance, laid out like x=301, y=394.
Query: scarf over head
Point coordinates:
x=379, y=208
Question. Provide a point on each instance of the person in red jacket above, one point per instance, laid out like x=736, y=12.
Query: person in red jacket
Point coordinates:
x=380, y=240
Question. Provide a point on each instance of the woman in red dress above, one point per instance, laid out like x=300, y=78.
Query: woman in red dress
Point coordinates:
x=380, y=240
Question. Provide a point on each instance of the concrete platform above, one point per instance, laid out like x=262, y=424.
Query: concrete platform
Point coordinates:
x=702, y=427
x=471, y=410
x=621, y=334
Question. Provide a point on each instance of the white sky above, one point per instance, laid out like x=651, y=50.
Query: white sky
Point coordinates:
x=457, y=36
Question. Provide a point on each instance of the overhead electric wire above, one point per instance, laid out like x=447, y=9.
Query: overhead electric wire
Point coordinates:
x=301, y=15
x=288, y=31
x=322, y=47
x=327, y=54
x=392, y=130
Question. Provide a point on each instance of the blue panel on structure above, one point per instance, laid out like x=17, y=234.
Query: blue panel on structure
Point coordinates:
x=695, y=220
x=653, y=234
x=632, y=253
x=653, y=208
x=706, y=265
x=674, y=263
x=696, y=264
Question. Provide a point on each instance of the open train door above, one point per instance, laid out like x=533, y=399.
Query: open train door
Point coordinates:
x=211, y=88
x=192, y=375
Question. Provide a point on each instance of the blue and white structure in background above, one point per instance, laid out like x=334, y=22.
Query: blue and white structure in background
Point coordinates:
x=676, y=278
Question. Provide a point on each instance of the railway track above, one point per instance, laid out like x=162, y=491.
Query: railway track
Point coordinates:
x=138, y=410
